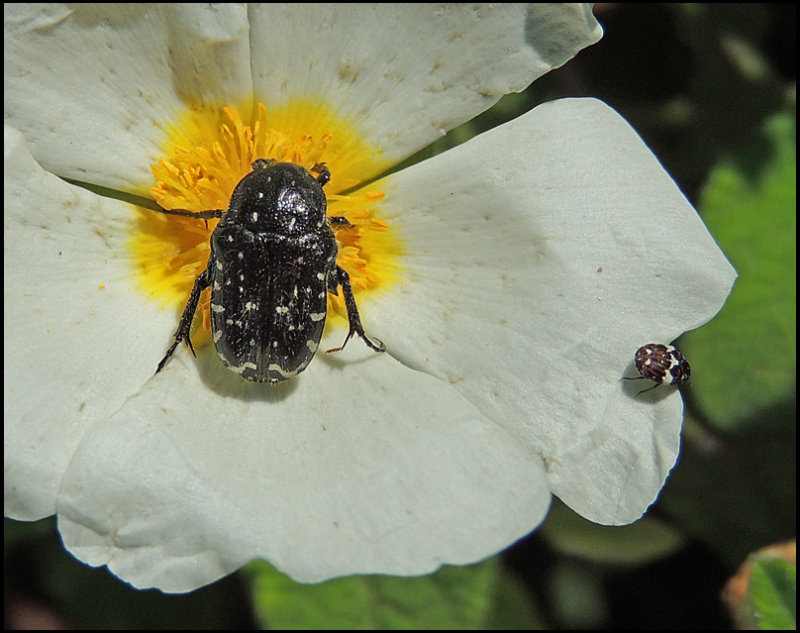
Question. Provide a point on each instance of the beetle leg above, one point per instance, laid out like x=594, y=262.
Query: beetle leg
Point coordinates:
x=263, y=163
x=339, y=222
x=182, y=333
x=198, y=215
x=352, y=314
x=658, y=384
x=323, y=173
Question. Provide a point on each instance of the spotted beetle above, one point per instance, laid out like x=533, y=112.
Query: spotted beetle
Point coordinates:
x=663, y=364
x=271, y=267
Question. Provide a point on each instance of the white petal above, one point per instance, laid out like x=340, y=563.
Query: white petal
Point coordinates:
x=357, y=466
x=538, y=257
x=76, y=329
x=405, y=74
x=92, y=85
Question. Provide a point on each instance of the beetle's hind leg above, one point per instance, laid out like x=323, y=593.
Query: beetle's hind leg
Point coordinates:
x=182, y=333
x=352, y=315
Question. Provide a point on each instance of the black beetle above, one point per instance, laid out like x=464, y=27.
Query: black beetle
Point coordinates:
x=271, y=267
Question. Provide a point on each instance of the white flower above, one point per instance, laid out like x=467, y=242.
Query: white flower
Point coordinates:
x=515, y=278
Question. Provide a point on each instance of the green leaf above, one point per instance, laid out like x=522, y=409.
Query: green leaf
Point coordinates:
x=743, y=362
x=773, y=593
x=644, y=541
x=577, y=595
x=452, y=598
x=512, y=606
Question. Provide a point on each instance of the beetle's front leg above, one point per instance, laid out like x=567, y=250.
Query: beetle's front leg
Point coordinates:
x=198, y=215
x=339, y=221
x=202, y=282
x=323, y=174
x=352, y=314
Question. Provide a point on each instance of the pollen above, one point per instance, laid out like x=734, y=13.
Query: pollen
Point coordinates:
x=207, y=150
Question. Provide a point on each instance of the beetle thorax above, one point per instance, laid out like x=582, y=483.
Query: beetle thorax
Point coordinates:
x=283, y=199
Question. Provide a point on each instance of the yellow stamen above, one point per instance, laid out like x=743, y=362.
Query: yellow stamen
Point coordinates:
x=208, y=151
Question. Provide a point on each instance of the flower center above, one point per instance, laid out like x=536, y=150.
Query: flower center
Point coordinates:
x=208, y=152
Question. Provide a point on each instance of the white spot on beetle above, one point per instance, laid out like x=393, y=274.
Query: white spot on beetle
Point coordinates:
x=286, y=374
